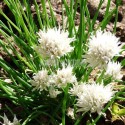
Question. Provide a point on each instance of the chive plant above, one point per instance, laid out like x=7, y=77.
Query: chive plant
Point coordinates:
x=50, y=65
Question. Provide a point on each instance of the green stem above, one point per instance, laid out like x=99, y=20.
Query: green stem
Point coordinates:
x=38, y=14
x=81, y=28
x=45, y=12
x=64, y=104
x=13, y=73
x=79, y=119
x=10, y=21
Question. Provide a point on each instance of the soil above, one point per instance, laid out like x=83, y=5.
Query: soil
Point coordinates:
x=92, y=6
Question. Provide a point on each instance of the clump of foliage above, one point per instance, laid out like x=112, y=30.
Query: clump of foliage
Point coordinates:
x=50, y=66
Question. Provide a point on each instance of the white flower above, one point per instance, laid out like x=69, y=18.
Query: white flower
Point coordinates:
x=64, y=76
x=53, y=92
x=70, y=113
x=7, y=122
x=54, y=43
x=40, y=80
x=114, y=69
x=94, y=97
x=102, y=47
x=76, y=90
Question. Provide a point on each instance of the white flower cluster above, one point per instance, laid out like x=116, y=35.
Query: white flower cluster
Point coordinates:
x=92, y=97
x=42, y=81
x=53, y=92
x=114, y=69
x=54, y=43
x=70, y=113
x=7, y=122
x=64, y=76
x=102, y=47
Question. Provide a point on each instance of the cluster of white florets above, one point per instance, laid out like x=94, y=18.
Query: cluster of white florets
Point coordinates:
x=102, y=48
x=92, y=96
x=42, y=81
x=8, y=122
x=64, y=76
x=113, y=69
x=54, y=43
